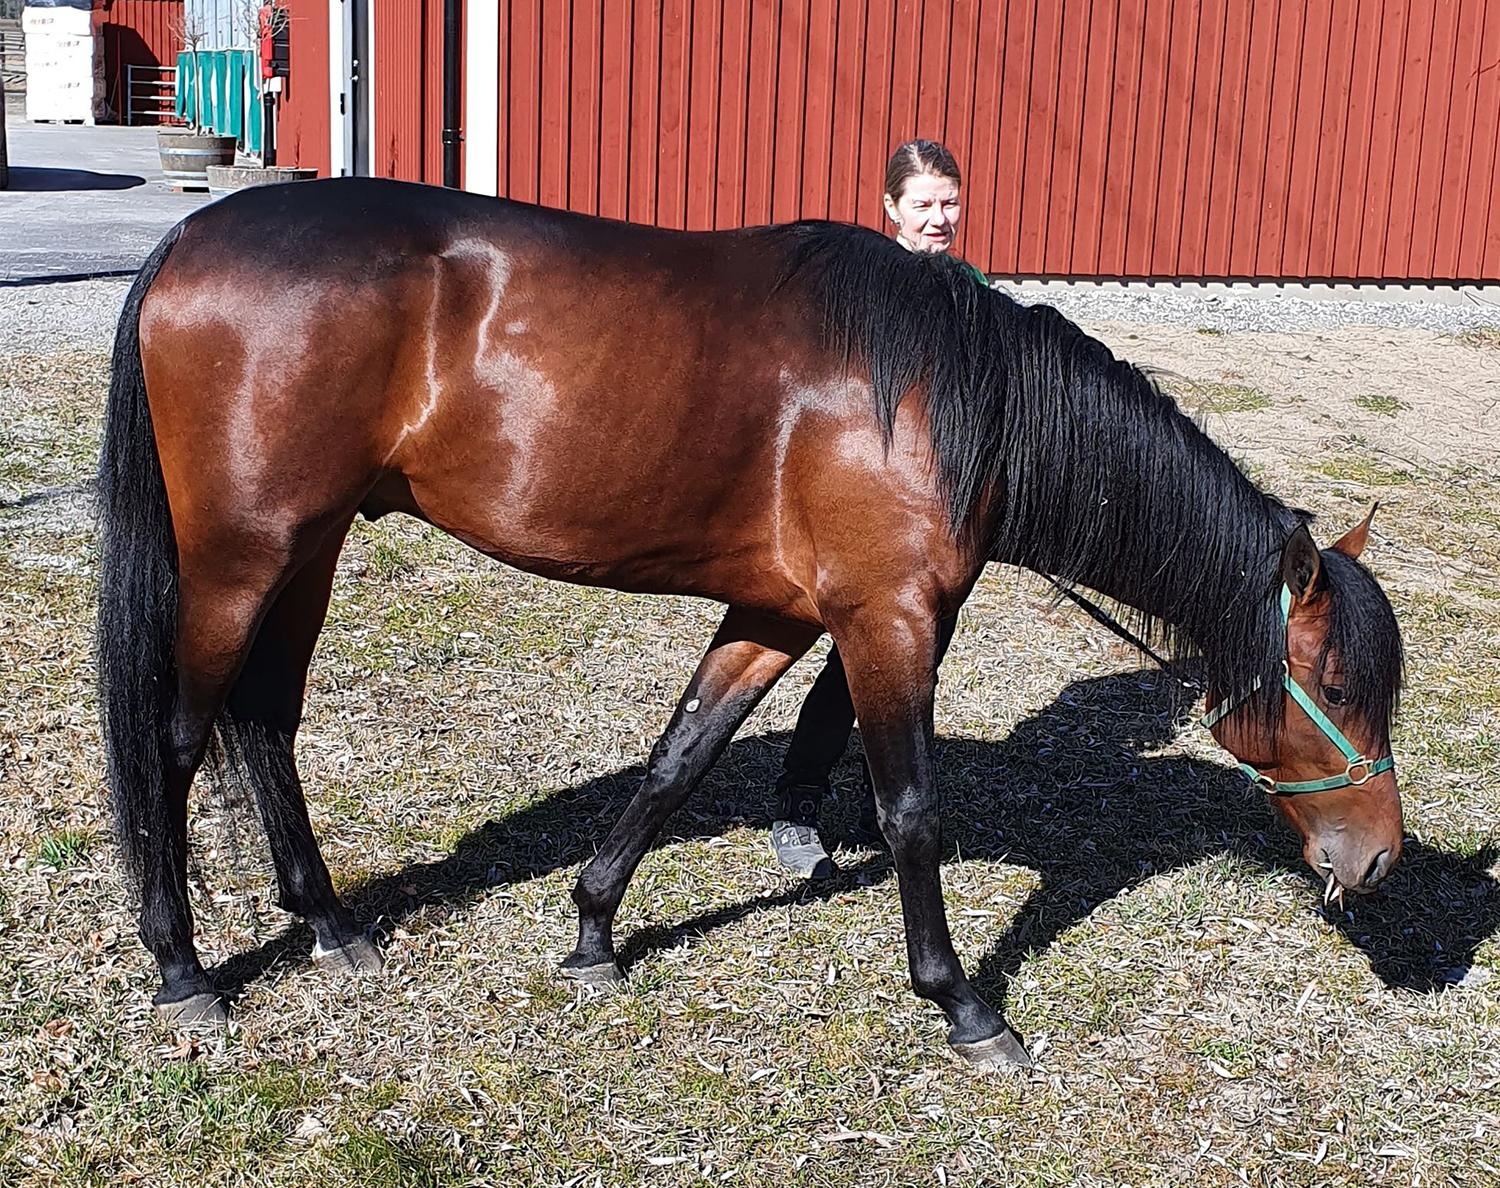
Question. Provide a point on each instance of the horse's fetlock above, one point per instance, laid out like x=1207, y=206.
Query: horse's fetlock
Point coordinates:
x=934, y=985
x=295, y=896
x=588, y=894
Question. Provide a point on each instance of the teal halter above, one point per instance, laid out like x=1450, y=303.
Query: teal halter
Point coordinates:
x=1354, y=760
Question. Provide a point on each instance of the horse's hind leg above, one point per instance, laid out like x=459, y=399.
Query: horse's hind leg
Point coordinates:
x=216, y=620
x=259, y=727
x=748, y=654
x=235, y=600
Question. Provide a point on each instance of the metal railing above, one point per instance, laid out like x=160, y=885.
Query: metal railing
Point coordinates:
x=150, y=94
x=13, y=57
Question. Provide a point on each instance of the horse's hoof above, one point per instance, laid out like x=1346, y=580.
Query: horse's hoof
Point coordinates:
x=1000, y=1053
x=357, y=954
x=602, y=974
x=198, y=1009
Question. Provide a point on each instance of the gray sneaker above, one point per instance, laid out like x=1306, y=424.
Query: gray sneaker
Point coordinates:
x=800, y=850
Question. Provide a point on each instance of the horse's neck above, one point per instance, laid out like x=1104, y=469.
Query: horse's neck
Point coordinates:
x=1195, y=571
x=1149, y=512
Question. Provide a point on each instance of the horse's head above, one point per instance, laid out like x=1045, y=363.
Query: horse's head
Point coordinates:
x=1326, y=762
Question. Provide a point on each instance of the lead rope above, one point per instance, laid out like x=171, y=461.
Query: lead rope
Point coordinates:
x=1105, y=619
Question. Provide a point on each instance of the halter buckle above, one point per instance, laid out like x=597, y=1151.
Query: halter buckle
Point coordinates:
x=1264, y=782
x=1362, y=762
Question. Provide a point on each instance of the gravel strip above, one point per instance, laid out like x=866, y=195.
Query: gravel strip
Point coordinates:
x=1261, y=313
x=43, y=319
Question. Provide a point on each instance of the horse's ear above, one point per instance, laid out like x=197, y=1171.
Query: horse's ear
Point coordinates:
x=1300, y=564
x=1353, y=542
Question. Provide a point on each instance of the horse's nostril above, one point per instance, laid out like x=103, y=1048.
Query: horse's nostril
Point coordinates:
x=1379, y=868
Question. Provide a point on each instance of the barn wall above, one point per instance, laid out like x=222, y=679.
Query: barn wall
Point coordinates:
x=1280, y=140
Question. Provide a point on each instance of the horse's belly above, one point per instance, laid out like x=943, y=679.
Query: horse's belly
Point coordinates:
x=621, y=539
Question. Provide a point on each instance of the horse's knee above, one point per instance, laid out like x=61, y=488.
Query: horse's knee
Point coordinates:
x=666, y=766
x=911, y=827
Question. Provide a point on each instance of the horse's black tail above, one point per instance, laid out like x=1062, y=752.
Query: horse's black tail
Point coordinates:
x=137, y=622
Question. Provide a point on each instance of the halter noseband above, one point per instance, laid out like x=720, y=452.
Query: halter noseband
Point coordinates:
x=1354, y=760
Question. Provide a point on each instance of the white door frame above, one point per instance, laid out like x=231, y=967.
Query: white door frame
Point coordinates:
x=351, y=68
x=481, y=120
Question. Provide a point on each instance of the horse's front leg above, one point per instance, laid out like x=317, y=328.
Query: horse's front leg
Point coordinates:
x=891, y=657
x=748, y=653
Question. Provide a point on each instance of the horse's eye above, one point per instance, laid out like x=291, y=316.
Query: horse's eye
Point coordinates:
x=1333, y=694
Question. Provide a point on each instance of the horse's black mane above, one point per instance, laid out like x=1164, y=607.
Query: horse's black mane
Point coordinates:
x=1101, y=480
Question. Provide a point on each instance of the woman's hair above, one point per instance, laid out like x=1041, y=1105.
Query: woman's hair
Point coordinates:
x=916, y=157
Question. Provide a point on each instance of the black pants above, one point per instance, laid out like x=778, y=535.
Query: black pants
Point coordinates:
x=826, y=718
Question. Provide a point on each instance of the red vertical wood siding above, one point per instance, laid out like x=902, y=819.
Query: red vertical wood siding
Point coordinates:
x=556, y=60
x=676, y=42
x=434, y=144
x=1476, y=206
x=401, y=89
x=302, y=115
x=1285, y=139
x=704, y=115
x=407, y=136
x=584, y=127
x=760, y=119
x=614, y=110
x=138, y=33
x=733, y=139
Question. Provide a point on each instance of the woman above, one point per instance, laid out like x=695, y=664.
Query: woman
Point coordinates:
x=922, y=201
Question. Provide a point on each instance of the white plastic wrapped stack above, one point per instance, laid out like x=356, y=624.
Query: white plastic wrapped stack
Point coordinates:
x=64, y=64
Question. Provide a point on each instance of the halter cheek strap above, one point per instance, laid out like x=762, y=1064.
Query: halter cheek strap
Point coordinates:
x=1358, y=769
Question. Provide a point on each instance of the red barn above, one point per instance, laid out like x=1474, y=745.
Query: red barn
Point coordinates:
x=1341, y=140
x=145, y=34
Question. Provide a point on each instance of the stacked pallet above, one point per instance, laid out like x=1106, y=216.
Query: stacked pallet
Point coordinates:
x=64, y=61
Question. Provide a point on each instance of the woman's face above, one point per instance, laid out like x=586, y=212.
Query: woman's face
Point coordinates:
x=926, y=214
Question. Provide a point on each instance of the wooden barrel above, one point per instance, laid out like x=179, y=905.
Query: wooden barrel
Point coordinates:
x=186, y=156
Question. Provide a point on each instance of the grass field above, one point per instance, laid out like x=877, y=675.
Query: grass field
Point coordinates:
x=1142, y=915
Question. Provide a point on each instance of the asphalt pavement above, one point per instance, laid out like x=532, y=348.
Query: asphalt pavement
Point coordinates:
x=83, y=201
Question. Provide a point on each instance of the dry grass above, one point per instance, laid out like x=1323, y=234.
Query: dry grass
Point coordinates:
x=471, y=733
x=1479, y=338
x=1205, y=397
x=1381, y=404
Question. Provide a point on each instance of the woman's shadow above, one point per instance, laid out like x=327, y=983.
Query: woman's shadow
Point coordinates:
x=1073, y=793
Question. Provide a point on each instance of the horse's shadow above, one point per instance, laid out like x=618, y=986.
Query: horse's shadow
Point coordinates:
x=1072, y=793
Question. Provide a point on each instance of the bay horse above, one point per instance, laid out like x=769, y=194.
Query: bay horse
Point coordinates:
x=806, y=423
